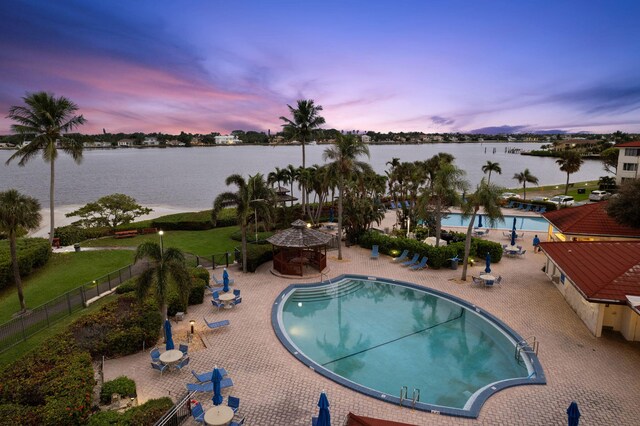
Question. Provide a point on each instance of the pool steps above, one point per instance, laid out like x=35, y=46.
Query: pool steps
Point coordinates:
x=318, y=294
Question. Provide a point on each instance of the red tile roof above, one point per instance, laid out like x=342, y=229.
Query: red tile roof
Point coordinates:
x=601, y=270
x=589, y=220
x=635, y=144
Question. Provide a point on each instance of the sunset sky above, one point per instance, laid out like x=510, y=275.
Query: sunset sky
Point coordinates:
x=432, y=66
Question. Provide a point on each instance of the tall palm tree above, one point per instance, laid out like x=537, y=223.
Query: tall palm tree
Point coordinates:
x=294, y=174
x=487, y=197
x=344, y=156
x=253, y=197
x=491, y=167
x=570, y=162
x=524, y=178
x=17, y=211
x=304, y=121
x=167, y=268
x=46, y=119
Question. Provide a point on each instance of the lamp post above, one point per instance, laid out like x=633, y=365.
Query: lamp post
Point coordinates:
x=192, y=323
x=161, y=233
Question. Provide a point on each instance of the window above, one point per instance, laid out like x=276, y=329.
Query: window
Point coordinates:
x=630, y=167
x=632, y=152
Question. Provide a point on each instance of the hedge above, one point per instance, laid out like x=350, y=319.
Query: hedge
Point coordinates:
x=72, y=234
x=32, y=253
x=123, y=386
x=195, y=221
x=257, y=254
x=54, y=383
x=196, y=296
x=146, y=414
x=437, y=256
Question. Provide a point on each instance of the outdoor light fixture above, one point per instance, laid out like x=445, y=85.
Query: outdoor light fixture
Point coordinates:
x=308, y=225
x=161, y=233
x=299, y=304
x=193, y=323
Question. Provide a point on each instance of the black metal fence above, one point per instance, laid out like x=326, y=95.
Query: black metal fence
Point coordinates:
x=178, y=413
x=20, y=329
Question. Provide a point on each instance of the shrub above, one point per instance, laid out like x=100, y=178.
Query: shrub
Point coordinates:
x=196, y=292
x=72, y=234
x=128, y=286
x=257, y=254
x=201, y=273
x=32, y=254
x=146, y=414
x=123, y=386
x=189, y=221
x=494, y=249
x=196, y=296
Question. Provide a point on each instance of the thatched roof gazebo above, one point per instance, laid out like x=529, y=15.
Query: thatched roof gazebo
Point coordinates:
x=297, y=247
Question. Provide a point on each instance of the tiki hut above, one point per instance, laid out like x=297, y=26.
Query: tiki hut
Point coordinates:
x=298, y=247
x=282, y=195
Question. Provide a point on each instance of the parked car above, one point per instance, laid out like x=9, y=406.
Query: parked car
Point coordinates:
x=599, y=195
x=562, y=200
x=540, y=199
x=507, y=195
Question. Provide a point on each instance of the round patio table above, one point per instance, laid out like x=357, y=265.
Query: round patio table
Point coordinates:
x=171, y=356
x=219, y=415
x=227, y=298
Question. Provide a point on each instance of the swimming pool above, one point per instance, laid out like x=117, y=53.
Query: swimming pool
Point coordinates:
x=523, y=223
x=377, y=336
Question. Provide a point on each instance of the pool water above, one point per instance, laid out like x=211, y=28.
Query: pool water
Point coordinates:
x=523, y=223
x=383, y=336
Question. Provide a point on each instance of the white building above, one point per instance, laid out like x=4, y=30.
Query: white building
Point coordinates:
x=227, y=140
x=365, y=138
x=124, y=143
x=151, y=141
x=628, y=161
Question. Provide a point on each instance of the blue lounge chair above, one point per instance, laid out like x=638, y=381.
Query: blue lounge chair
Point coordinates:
x=159, y=367
x=217, y=324
x=221, y=282
x=213, y=289
x=155, y=355
x=217, y=303
x=421, y=265
x=402, y=257
x=527, y=208
x=206, y=377
x=508, y=206
x=543, y=209
x=517, y=205
x=208, y=386
x=183, y=363
x=393, y=205
x=413, y=261
x=198, y=413
x=406, y=203
x=374, y=252
x=184, y=349
x=233, y=403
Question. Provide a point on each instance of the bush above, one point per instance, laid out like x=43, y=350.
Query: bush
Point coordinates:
x=128, y=286
x=72, y=234
x=257, y=254
x=189, y=221
x=494, y=249
x=32, y=253
x=146, y=414
x=123, y=386
x=196, y=292
x=196, y=295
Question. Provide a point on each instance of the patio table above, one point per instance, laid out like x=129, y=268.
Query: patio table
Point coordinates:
x=219, y=415
x=171, y=356
x=227, y=298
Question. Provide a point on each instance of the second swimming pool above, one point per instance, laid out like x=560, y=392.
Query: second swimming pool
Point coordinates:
x=523, y=223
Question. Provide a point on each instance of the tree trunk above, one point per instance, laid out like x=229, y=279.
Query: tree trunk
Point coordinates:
x=489, y=180
x=16, y=269
x=524, y=186
x=304, y=189
x=467, y=244
x=566, y=187
x=438, y=224
x=51, y=203
x=244, y=246
x=341, y=196
x=165, y=315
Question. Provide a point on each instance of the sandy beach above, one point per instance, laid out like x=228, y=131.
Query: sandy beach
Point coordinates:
x=62, y=220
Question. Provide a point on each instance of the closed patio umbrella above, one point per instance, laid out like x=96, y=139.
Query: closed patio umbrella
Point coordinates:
x=216, y=378
x=167, y=335
x=514, y=224
x=225, y=280
x=513, y=237
x=331, y=214
x=479, y=221
x=488, y=268
x=573, y=414
x=324, y=418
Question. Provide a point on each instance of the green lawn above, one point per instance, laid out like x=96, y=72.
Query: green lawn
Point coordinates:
x=63, y=272
x=200, y=243
x=551, y=190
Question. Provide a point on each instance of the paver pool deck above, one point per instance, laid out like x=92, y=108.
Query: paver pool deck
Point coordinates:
x=601, y=374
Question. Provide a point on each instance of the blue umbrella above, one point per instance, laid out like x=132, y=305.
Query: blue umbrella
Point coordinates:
x=574, y=414
x=488, y=268
x=331, y=214
x=216, y=378
x=324, y=418
x=514, y=224
x=513, y=237
x=480, y=221
x=225, y=280
x=167, y=334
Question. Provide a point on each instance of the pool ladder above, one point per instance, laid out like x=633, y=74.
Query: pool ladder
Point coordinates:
x=404, y=394
x=524, y=346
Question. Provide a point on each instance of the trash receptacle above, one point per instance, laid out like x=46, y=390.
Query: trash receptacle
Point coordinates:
x=76, y=246
x=454, y=263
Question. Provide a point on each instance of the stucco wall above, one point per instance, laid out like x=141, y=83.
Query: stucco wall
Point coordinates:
x=630, y=324
x=592, y=314
x=613, y=316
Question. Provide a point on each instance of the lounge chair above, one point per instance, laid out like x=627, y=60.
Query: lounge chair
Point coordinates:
x=517, y=205
x=183, y=363
x=213, y=289
x=208, y=386
x=233, y=403
x=421, y=265
x=217, y=324
x=543, y=209
x=407, y=204
x=527, y=208
x=198, y=413
x=510, y=205
x=217, y=303
x=221, y=282
x=159, y=367
x=155, y=355
x=184, y=348
x=411, y=262
x=402, y=257
x=238, y=423
x=206, y=377
x=374, y=252
x=393, y=205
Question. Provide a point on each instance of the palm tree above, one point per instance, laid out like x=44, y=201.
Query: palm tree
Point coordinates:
x=305, y=119
x=487, y=197
x=294, y=174
x=344, y=155
x=17, y=212
x=524, y=178
x=253, y=197
x=45, y=119
x=570, y=162
x=167, y=267
x=491, y=167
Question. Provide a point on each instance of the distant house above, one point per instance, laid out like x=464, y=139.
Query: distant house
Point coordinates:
x=175, y=142
x=124, y=143
x=628, y=161
x=365, y=138
x=151, y=141
x=227, y=140
x=578, y=144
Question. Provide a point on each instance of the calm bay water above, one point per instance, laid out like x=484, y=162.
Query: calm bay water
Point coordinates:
x=192, y=177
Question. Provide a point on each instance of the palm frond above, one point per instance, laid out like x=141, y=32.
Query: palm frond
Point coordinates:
x=144, y=283
x=149, y=250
